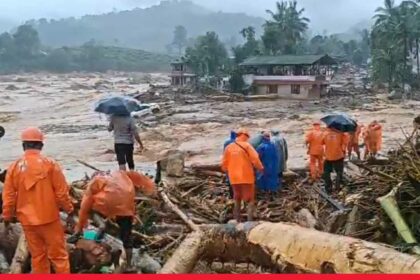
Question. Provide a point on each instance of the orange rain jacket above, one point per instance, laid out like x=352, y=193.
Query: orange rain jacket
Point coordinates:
x=355, y=138
x=239, y=160
x=314, y=138
x=373, y=137
x=335, y=144
x=113, y=195
x=34, y=190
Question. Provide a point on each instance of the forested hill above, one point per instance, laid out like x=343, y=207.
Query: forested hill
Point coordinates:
x=149, y=29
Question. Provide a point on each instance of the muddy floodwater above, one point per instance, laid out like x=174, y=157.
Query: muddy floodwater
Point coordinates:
x=62, y=106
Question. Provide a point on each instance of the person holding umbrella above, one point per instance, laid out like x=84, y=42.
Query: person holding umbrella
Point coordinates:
x=335, y=141
x=125, y=131
x=124, y=128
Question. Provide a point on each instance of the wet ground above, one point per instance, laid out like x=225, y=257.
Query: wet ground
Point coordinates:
x=62, y=105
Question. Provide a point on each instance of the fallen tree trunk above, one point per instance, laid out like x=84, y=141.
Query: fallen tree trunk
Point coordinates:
x=280, y=245
x=21, y=256
x=186, y=256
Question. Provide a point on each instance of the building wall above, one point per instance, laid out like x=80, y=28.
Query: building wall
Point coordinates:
x=285, y=91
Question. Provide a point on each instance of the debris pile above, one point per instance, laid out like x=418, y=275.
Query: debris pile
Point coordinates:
x=350, y=80
x=191, y=217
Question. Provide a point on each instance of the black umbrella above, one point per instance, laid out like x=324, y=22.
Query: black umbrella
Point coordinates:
x=2, y=131
x=117, y=105
x=340, y=122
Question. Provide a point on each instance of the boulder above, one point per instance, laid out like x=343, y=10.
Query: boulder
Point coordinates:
x=173, y=164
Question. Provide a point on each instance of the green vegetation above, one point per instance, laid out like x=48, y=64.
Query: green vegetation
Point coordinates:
x=285, y=33
x=148, y=29
x=22, y=51
x=180, y=40
x=285, y=30
x=395, y=41
x=208, y=56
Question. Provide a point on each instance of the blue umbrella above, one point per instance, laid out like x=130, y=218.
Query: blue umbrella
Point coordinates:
x=117, y=105
x=340, y=122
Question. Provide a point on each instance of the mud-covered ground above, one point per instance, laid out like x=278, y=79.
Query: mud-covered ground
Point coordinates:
x=62, y=105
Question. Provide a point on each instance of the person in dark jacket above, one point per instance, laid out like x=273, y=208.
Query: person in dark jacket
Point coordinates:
x=283, y=152
x=268, y=181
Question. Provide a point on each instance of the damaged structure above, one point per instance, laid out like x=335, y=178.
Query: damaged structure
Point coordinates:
x=182, y=75
x=289, y=76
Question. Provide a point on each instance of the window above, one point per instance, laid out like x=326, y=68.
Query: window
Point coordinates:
x=295, y=89
x=272, y=89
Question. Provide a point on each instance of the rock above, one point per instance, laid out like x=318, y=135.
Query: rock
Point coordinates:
x=306, y=219
x=145, y=263
x=174, y=164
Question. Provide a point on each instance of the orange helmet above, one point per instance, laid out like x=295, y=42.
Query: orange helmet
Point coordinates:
x=32, y=134
x=242, y=131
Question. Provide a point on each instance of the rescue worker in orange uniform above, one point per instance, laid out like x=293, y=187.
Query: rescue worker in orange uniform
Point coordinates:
x=313, y=141
x=353, y=145
x=335, y=143
x=112, y=196
x=373, y=139
x=239, y=161
x=34, y=191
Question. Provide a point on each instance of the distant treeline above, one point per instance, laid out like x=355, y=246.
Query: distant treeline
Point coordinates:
x=23, y=51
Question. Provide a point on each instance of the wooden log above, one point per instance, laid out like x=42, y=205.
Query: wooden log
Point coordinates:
x=277, y=245
x=210, y=173
x=377, y=172
x=21, y=256
x=186, y=256
x=177, y=211
x=351, y=225
x=210, y=167
x=312, y=251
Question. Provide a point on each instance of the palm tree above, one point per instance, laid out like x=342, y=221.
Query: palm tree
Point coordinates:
x=296, y=22
x=385, y=14
x=248, y=33
x=392, y=36
x=289, y=24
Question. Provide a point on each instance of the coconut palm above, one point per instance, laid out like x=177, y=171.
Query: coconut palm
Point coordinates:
x=285, y=30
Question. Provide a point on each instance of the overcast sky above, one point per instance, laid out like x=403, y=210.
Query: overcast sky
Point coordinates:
x=331, y=15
